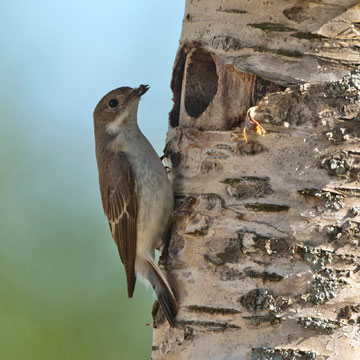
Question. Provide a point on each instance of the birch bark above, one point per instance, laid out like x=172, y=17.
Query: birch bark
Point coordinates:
x=263, y=250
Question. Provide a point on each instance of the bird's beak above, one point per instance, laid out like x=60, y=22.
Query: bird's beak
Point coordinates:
x=141, y=90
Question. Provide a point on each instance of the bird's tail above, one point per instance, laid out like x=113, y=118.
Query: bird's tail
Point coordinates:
x=162, y=289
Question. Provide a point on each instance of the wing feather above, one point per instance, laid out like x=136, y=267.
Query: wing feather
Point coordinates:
x=119, y=197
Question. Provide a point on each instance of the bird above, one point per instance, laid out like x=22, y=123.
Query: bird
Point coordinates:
x=136, y=193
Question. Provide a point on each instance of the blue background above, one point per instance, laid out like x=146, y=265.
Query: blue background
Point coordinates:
x=62, y=285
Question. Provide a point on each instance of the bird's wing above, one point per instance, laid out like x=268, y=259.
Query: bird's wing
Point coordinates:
x=119, y=197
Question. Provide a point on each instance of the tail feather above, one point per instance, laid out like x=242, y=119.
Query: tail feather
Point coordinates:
x=131, y=280
x=163, y=292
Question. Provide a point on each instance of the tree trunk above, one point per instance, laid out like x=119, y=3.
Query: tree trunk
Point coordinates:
x=266, y=234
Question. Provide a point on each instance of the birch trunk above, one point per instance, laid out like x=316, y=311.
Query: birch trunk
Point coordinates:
x=266, y=234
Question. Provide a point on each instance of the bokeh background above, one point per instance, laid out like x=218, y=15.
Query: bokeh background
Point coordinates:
x=62, y=285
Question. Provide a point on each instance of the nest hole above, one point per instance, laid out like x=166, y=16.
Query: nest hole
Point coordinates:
x=201, y=82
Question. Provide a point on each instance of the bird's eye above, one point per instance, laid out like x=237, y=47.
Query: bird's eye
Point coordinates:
x=113, y=103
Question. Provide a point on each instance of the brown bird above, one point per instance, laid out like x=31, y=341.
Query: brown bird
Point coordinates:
x=136, y=193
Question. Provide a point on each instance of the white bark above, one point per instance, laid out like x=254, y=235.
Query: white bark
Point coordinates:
x=263, y=252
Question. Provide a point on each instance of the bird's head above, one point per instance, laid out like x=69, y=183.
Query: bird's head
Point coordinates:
x=118, y=108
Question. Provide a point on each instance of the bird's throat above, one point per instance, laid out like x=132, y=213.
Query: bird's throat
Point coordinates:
x=125, y=121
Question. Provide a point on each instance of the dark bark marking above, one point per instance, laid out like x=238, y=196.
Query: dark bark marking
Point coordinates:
x=257, y=320
x=212, y=310
x=272, y=27
x=267, y=207
x=264, y=276
x=209, y=325
x=248, y=187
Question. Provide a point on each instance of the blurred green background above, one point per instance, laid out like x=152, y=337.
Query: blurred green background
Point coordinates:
x=62, y=285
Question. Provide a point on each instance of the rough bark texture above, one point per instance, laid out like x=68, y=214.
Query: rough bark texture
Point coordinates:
x=266, y=234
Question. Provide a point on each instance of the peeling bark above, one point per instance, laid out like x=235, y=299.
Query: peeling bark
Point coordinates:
x=264, y=247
